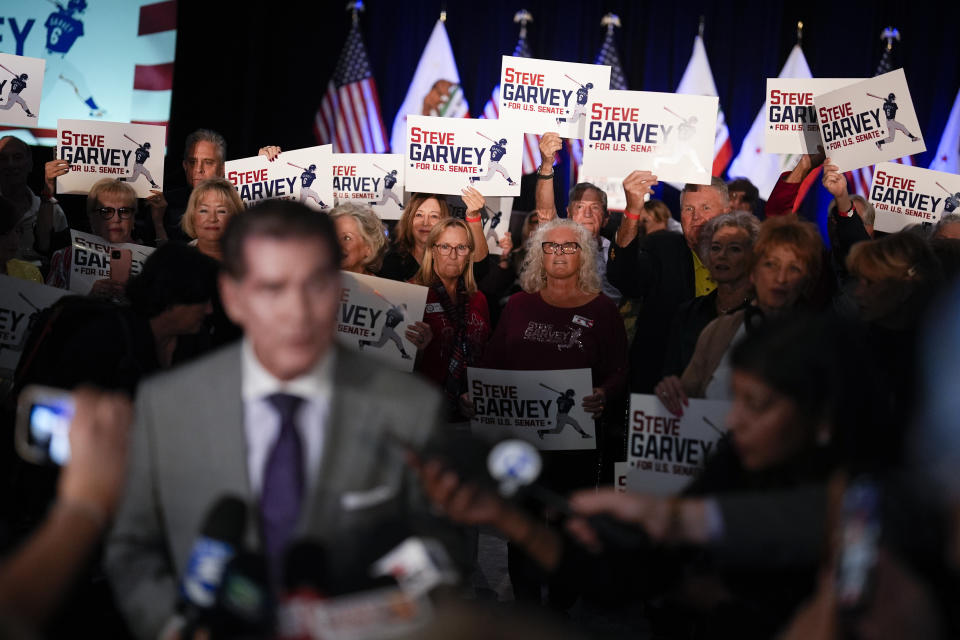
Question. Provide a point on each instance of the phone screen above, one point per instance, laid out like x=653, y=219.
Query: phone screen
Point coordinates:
x=50, y=430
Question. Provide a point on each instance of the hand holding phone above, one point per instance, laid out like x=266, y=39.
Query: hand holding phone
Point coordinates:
x=121, y=260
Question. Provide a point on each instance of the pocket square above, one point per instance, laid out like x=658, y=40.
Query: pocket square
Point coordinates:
x=353, y=500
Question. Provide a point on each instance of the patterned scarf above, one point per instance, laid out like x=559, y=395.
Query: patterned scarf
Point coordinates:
x=456, y=314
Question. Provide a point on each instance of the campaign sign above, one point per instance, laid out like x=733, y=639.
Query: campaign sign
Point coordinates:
x=903, y=195
x=495, y=224
x=444, y=155
x=791, y=126
x=90, y=260
x=541, y=407
x=546, y=95
x=21, y=82
x=664, y=451
x=21, y=301
x=120, y=150
x=375, y=179
x=374, y=314
x=613, y=187
x=667, y=133
x=869, y=122
x=301, y=175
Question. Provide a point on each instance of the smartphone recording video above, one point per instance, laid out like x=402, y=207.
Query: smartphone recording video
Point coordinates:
x=43, y=425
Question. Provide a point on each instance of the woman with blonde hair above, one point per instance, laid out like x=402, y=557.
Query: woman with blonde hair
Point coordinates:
x=561, y=320
x=422, y=212
x=362, y=238
x=457, y=320
x=211, y=205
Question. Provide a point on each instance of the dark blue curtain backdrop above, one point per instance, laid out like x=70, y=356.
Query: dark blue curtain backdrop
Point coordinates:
x=258, y=76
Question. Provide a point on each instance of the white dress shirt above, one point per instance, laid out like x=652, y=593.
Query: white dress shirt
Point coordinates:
x=261, y=421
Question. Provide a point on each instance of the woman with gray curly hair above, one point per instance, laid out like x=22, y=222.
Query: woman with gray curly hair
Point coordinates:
x=362, y=238
x=726, y=244
x=561, y=320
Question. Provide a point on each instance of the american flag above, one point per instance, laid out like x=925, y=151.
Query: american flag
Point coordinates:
x=349, y=114
x=861, y=179
x=607, y=56
x=491, y=111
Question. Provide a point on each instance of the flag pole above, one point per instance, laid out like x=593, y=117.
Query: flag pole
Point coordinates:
x=355, y=7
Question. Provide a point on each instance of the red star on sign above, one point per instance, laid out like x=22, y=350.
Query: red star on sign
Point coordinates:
x=759, y=150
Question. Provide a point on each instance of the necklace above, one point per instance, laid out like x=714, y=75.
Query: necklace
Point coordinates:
x=723, y=311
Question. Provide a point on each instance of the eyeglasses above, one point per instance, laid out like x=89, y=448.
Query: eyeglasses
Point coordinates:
x=445, y=249
x=107, y=212
x=566, y=247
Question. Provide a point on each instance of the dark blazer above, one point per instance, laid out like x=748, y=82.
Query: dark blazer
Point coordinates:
x=658, y=269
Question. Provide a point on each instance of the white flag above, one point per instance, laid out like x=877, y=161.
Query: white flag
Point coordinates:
x=948, y=153
x=763, y=169
x=698, y=80
x=435, y=89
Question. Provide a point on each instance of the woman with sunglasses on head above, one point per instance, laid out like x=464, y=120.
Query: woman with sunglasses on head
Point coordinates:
x=111, y=208
x=456, y=323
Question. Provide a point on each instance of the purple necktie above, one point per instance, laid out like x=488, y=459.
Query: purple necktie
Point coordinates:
x=282, y=482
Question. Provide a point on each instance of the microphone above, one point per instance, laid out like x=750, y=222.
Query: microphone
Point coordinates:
x=515, y=466
x=418, y=565
x=220, y=537
x=244, y=607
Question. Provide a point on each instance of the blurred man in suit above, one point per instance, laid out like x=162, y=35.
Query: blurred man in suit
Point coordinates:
x=293, y=424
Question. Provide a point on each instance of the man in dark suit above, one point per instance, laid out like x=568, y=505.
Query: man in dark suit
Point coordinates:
x=662, y=268
x=294, y=425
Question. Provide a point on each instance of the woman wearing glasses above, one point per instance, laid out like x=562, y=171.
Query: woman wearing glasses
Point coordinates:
x=561, y=320
x=111, y=207
x=457, y=320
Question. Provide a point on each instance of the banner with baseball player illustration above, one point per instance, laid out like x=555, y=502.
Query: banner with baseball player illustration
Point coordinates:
x=667, y=133
x=374, y=315
x=903, y=195
x=665, y=452
x=869, y=122
x=375, y=179
x=92, y=258
x=546, y=95
x=21, y=301
x=541, y=407
x=301, y=174
x=97, y=150
x=444, y=155
x=791, y=120
x=21, y=81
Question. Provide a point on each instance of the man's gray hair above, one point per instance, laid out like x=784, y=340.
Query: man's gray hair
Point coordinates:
x=716, y=183
x=206, y=135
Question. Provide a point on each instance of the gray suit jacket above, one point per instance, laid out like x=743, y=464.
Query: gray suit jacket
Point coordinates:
x=189, y=449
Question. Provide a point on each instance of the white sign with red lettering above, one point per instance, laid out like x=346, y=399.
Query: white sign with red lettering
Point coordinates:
x=117, y=150
x=301, y=174
x=869, y=121
x=546, y=95
x=666, y=133
x=903, y=195
x=445, y=155
x=541, y=407
x=374, y=179
x=665, y=452
x=792, y=126
x=93, y=259
x=21, y=81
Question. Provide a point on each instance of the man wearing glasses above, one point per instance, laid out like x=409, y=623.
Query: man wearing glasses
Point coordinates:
x=111, y=207
x=587, y=207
